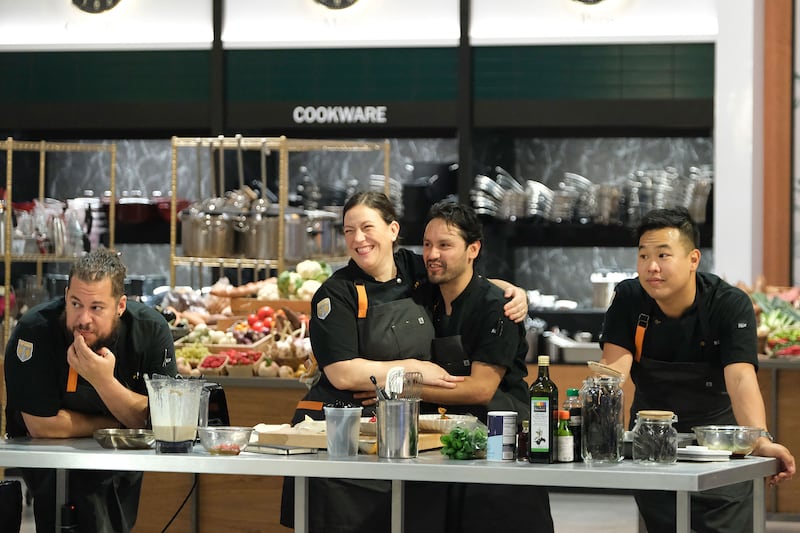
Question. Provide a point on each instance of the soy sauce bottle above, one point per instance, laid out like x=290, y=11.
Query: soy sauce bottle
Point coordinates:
x=544, y=405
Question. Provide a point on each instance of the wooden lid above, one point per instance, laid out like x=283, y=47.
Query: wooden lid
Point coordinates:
x=656, y=415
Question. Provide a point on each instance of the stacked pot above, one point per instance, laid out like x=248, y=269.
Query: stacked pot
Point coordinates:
x=235, y=227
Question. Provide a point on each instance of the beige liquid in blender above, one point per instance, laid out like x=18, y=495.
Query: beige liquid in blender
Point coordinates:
x=174, y=433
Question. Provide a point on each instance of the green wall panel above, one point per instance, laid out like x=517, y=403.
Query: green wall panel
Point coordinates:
x=353, y=75
x=105, y=77
x=594, y=72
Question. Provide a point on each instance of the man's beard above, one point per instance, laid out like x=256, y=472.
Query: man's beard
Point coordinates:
x=102, y=342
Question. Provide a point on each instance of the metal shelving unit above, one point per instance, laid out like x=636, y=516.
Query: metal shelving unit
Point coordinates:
x=283, y=146
x=43, y=148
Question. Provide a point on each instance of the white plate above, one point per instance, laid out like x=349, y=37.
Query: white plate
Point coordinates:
x=702, y=453
x=437, y=424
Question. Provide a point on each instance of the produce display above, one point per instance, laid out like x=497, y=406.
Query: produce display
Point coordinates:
x=267, y=343
x=303, y=282
x=298, y=284
x=201, y=333
x=779, y=321
x=237, y=357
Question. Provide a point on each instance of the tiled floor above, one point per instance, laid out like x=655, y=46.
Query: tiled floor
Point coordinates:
x=571, y=512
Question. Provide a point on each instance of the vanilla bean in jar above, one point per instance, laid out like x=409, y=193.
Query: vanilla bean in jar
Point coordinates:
x=655, y=440
x=602, y=414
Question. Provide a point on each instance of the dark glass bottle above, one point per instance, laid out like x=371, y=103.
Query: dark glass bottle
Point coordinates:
x=523, y=444
x=544, y=405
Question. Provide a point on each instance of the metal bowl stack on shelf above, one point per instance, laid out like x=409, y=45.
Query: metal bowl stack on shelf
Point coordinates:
x=576, y=199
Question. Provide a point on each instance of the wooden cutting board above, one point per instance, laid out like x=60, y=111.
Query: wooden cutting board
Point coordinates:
x=366, y=443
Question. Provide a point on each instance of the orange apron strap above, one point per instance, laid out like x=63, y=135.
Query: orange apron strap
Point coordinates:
x=362, y=300
x=72, y=380
x=639, y=338
x=309, y=405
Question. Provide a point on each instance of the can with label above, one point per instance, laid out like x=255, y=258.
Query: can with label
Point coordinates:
x=501, y=445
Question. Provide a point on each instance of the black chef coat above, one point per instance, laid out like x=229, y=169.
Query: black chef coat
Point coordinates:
x=681, y=369
x=36, y=372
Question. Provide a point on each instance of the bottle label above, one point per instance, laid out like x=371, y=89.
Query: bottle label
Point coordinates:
x=541, y=420
x=566, y=451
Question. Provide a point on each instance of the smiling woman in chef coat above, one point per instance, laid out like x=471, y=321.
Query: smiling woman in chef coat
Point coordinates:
x=363, y=322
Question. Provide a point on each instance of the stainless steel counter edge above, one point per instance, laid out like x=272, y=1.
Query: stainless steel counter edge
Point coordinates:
x=429, y=466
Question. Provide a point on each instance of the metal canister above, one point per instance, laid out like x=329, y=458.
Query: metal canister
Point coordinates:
x=502, y=427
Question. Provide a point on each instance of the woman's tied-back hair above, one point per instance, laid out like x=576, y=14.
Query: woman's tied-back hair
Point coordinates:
x=674, y=217
x=460, y=216
x=375, y=200
x=98, y=265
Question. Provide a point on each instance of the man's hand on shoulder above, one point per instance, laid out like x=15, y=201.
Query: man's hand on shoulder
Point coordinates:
x=517, y=307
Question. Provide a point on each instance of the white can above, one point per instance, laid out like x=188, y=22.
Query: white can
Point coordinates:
x=501, y=445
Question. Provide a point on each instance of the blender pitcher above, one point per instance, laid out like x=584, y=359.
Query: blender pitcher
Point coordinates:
x=174, y=408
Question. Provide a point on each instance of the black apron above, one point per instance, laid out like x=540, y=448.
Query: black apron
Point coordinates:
x=697, y=394
x=475, y=507
x=389, y=331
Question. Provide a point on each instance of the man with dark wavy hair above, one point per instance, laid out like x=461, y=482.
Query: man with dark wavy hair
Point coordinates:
x=475, y=340
x=77, y=364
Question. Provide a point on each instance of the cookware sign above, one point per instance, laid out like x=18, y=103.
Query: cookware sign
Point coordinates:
x=339, y=114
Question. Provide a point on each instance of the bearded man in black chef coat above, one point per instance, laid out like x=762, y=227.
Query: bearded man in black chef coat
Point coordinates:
x=77, y=364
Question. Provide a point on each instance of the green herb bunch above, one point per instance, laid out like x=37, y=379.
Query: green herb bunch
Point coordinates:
x=464, y=442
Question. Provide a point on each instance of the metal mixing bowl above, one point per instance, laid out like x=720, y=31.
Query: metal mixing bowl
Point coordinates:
x=125, y=439
x=739, y=440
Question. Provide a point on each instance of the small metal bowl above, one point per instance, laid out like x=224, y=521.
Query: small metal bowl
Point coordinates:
x=125, y=439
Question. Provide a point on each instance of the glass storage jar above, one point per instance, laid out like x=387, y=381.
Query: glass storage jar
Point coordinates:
x=602, y=426
x=655, y=440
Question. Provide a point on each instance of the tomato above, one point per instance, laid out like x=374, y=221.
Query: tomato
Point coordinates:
x=265, y=312
x=268, y=322
x=252, y=318
x=257, y=326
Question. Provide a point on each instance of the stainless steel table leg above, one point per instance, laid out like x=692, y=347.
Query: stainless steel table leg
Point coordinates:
x=759, y=516
x=301, y=505
x=683, y=518
x=398, y=500
x=62, y=478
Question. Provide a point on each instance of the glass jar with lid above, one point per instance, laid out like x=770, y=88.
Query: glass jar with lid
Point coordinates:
x=655, y=440
x=602, y=413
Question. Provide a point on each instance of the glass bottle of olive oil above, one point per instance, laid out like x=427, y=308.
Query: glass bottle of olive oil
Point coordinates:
x=544, y=406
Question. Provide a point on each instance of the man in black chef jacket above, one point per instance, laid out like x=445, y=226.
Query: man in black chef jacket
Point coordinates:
x=476, y=340
x=77, y=364
x=688, y=340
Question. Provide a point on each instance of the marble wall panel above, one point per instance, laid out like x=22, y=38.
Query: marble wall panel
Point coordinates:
x=146, y=165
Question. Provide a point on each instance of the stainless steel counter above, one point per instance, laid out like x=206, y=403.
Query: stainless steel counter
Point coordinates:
x=683, y=478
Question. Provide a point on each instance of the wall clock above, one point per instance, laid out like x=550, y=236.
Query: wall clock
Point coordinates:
x=95, y=6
